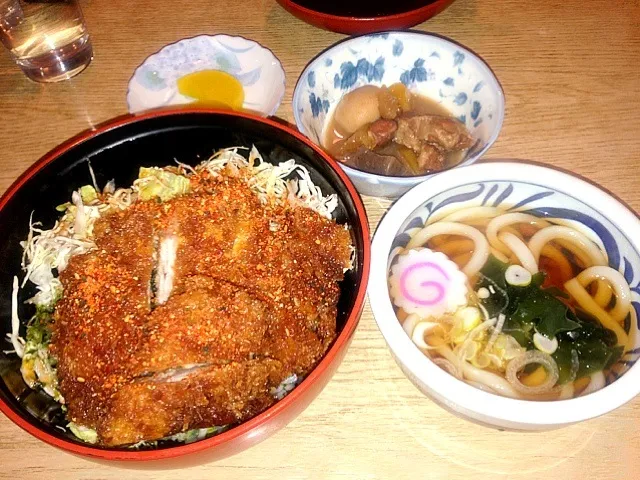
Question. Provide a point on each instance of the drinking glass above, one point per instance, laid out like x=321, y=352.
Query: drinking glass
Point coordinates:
x=48, y=39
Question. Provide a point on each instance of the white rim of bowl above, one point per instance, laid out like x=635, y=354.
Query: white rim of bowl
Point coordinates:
x=484, y=67
x=220, y=35
x=540, y=413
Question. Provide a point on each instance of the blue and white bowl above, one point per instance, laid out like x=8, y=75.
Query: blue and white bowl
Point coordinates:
x=429, y=65
x=153, y=84
x=518, y=187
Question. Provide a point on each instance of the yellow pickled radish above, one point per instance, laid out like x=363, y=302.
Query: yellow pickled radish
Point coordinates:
x=212, y=88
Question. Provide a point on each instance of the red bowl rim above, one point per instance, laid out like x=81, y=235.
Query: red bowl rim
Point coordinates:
x=351, y=24
x=275, y=410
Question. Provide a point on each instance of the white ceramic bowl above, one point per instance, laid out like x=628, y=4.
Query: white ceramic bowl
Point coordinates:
x=153, y=84
x=429, y=65
x=524, y=187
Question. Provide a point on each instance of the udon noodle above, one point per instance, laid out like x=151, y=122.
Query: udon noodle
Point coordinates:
x=513, y=304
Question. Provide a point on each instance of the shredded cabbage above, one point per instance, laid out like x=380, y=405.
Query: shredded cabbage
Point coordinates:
x=159, y=183
x=13, y=337
x=270, y=181
x=88, y=194
x=38, y=371
x=285, y=387
x=85, y=434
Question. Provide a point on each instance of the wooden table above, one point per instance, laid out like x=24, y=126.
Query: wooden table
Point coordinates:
x=571, y=74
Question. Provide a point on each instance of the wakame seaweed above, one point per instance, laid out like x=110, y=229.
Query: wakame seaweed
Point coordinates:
x=532, y=308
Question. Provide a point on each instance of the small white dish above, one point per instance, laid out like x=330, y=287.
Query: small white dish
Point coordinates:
x=153, y=84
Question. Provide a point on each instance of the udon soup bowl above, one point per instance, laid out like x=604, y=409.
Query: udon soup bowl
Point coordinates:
x=429, y=65
x=116, y=150
x=518, y=187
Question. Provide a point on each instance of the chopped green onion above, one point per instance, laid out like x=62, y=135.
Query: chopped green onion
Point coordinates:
x=545, y=344
x=517, y=276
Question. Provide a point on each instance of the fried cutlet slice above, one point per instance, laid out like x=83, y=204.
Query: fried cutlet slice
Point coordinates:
x=252, y=327
x=313, y=257
x=98, y=319
x=210, y=321
x=128, y=236
x=291, y=256
x=213, y=229
x=156, y=407
x=97, y=328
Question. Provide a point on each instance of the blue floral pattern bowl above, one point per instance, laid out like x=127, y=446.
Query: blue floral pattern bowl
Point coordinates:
x=516, y=187
x=429, y=65
x=153, y=84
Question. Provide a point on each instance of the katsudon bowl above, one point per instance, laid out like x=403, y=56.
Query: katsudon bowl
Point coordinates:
x=116, y=150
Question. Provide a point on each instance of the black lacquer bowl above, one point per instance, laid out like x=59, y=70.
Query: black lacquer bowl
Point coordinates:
x=116, y=150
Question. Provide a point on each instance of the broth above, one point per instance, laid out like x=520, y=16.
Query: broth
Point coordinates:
x=514, y=304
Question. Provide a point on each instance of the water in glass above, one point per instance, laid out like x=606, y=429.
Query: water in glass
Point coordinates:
x=48, y=38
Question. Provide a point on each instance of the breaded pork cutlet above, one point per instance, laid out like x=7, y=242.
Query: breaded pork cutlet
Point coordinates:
x=189, y=313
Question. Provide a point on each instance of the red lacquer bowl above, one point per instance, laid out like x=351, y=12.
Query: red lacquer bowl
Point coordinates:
x=116, y=150
x=367, y=20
